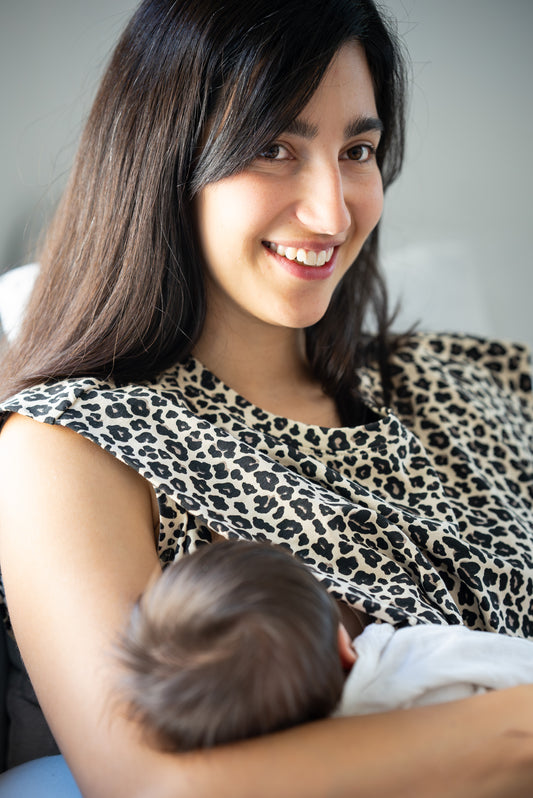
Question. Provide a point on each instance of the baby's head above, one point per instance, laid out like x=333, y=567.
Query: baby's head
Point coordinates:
x=235, y=640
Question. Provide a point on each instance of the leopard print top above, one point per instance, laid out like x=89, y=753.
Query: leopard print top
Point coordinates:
x=423, y=515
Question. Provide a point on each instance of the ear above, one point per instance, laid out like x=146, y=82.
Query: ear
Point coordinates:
x=346, y=650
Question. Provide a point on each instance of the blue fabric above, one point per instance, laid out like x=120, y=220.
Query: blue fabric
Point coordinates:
x=48, y=777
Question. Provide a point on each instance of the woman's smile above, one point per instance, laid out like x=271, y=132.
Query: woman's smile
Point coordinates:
x=308, y=256
x=304, y=262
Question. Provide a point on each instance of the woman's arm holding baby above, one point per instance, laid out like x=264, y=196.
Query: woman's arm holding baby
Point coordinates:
x=77, y=548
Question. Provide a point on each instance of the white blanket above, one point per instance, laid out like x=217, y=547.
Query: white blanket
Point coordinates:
x=430, y=664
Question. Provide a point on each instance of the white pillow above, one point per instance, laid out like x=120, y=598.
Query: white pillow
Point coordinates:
x=15, y=289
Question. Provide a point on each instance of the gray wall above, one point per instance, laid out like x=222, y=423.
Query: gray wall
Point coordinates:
x=52, y=53
x=458, y=224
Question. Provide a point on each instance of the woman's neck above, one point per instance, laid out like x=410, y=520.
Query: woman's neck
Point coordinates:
x=268, y=366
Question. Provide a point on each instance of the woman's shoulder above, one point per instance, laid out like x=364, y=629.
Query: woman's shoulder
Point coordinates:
x=46, y=445
x=88, y=396
x=128, y=420
x=463, y=357
x=66, y=406
x=46, y=402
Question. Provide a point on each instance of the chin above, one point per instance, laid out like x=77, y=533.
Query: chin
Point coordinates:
x=299, y=313
x=314, y=318
x=302, y=322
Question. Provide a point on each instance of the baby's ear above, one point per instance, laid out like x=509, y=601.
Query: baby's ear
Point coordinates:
x=346, y=650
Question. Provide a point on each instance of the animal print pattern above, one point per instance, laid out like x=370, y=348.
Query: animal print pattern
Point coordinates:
x=423, y=515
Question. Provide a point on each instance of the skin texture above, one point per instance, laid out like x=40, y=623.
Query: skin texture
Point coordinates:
x=77, y=543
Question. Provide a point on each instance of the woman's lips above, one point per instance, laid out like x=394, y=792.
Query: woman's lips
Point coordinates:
x=298, y=261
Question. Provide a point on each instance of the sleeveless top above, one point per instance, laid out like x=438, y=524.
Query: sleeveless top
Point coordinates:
x=424, y=515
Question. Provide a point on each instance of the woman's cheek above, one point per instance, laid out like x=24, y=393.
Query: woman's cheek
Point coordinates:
x=375, y=201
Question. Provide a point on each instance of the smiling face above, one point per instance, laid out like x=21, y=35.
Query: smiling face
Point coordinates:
x=279, y=236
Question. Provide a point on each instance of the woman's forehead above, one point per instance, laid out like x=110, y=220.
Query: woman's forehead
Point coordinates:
x=346, y=88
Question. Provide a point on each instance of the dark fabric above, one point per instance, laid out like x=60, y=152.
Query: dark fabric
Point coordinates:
x=28, y=734
x=4, y=669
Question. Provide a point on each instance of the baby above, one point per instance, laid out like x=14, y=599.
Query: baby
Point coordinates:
x=239, y=639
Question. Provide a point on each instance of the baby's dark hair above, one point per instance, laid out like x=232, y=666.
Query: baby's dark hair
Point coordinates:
x=235, y=640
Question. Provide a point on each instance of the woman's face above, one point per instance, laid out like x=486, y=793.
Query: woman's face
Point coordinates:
x=278, y=237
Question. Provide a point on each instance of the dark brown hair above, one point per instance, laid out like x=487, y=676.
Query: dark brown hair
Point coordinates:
x=236, y=640
x=194, y=90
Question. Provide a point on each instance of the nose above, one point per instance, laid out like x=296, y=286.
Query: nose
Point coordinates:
x=322, y=206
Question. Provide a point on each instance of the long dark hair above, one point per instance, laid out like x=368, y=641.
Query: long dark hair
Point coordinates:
x=194, y=89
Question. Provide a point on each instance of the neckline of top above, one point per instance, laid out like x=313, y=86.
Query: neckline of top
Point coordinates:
x=203, y=391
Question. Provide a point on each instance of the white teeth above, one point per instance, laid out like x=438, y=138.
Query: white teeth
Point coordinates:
x=309, y=257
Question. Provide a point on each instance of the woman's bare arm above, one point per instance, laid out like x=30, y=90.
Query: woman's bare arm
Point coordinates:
x=77, y=547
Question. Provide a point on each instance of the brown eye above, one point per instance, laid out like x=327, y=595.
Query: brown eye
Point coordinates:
x=271, y=152
x=361, y=153
x=275, y=152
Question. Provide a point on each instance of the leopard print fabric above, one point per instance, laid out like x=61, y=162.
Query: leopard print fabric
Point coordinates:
x=424, y=515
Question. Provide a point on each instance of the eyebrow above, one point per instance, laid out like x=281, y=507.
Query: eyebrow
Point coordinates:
x=361, y=124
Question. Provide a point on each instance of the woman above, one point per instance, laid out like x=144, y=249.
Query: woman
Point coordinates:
x=224, y=205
